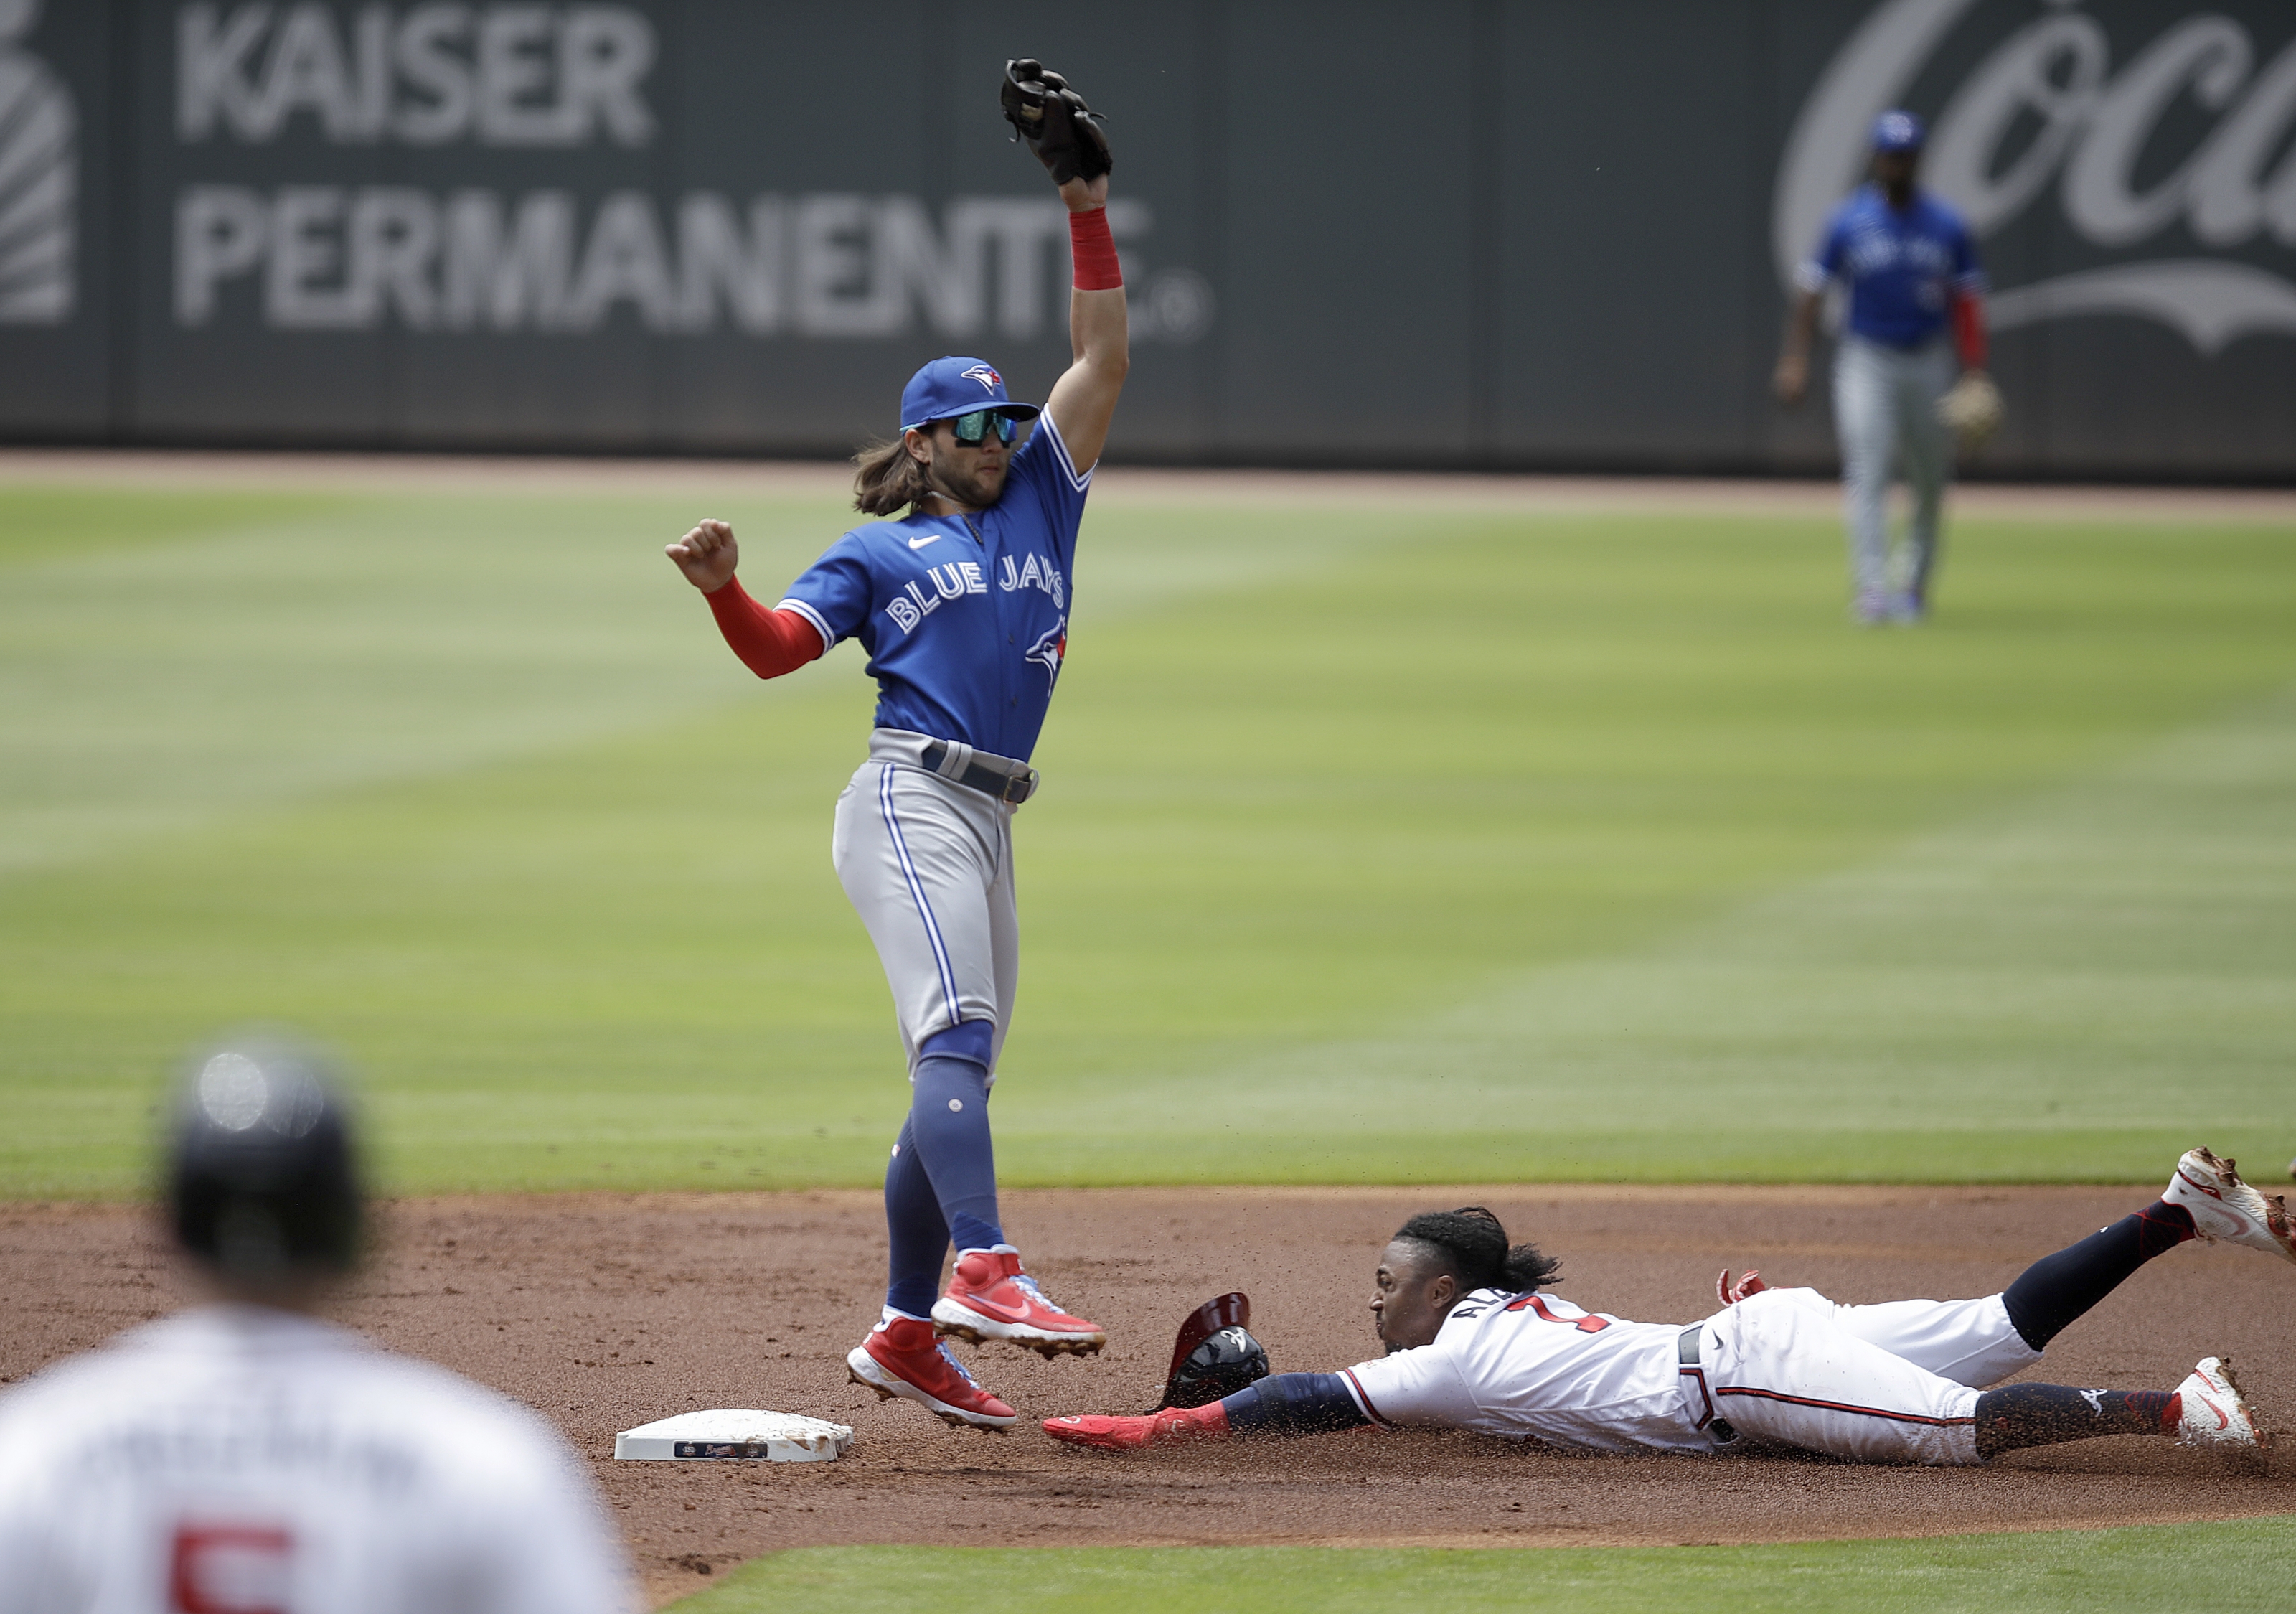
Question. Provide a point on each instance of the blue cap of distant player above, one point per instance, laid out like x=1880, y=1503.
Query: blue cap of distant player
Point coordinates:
x=1898, y=132
x=948, y=388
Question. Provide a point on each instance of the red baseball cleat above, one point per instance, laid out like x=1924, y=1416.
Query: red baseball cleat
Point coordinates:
x=990, y=1298
x=903, y=1357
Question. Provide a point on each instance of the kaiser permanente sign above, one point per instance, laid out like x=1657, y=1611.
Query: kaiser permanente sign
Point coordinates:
x=730, y=225
x=530, y=78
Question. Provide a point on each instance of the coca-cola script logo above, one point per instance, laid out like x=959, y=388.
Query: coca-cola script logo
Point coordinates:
x=2056, y=75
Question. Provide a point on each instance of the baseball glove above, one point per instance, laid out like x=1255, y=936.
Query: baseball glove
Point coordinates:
x=1063, y=132
x=1972, y=407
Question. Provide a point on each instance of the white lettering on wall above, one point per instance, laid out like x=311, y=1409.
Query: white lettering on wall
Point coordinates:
x=517, y=75
x=2046, y=105
x=837, y=265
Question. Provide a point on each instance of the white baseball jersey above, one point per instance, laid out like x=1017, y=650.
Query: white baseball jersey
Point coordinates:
x=237, y=1460
x=1533, y=1365
x=1896, y=1382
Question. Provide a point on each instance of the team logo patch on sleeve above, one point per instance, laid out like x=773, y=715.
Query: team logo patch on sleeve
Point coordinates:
x=1051, y=649
x=989, y=379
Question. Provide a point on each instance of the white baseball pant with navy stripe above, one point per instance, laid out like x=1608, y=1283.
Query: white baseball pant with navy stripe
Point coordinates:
x=1894, y=1383
x=928, y=864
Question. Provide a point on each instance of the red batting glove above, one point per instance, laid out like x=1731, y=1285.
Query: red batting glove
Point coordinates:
x=1730, y=1293
x=1138, y=1434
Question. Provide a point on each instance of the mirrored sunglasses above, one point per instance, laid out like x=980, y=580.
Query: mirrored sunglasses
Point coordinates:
x=969, y=430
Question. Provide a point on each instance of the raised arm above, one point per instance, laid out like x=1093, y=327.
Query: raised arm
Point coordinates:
x=1100, y=343
x=1067, y=138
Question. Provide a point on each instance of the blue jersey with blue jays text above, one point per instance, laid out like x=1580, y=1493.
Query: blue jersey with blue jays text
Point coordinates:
x=965, y=633
x=1901, y=268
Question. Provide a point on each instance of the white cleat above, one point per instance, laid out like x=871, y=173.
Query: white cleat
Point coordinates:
x=2215, y=1413
x=2225, y=1208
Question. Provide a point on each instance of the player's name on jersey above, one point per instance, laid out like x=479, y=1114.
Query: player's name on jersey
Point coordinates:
x=223, y=1443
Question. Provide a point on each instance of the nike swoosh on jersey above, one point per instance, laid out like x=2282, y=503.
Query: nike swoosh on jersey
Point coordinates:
x=930, y=538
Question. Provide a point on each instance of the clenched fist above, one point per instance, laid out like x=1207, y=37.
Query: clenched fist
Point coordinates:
x=707, y=555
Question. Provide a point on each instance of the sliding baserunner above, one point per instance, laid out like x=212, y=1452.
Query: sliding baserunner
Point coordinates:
x=1474, y=1343
x=961, y=594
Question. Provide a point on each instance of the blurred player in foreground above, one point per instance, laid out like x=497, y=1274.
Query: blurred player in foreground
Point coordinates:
x=961, y=598
x=1910, y=268
x=1472, y=1343
x=244, y=1456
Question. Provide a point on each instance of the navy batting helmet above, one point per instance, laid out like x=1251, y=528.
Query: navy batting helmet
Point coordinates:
x=261, y=1179
x=1229, y=1361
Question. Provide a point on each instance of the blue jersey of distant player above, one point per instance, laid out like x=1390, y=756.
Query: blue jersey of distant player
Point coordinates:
x=1902, y=269
x=967, y=623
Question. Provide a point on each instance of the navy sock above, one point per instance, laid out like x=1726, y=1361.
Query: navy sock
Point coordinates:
x=2049, y=1414
x=948, y=1116
x=916, y=1230
x=2056, y=1288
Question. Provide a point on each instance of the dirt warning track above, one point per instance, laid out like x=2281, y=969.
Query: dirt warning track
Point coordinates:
x=609, y=1311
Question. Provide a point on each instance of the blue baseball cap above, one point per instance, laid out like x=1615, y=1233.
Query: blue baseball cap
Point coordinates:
x=949, y=387
x=1898, y=132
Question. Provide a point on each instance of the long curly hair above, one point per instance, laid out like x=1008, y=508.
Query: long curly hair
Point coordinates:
x=888, y=479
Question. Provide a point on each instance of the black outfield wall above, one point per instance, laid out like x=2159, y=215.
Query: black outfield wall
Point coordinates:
x=1528, y=232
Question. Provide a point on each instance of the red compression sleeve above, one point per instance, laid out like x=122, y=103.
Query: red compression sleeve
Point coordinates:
x=1094, y=249
x=769, y=643
x=1968, y=329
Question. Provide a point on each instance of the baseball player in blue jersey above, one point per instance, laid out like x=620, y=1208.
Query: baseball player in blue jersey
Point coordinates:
x=1910, y=269
x=961, y=596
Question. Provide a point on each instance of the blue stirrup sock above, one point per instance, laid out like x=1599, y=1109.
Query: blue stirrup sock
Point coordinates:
x=917, y=1233
x=942, y=1179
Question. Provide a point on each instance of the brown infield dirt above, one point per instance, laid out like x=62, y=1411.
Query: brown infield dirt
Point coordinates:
x=606, y=1312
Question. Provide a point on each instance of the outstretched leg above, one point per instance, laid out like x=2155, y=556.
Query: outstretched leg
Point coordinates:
x=2057, y=1288
x=1983, y=1341
x=1787, y=1370
x=2207, y=1410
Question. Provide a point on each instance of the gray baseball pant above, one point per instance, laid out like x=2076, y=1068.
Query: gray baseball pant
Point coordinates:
x=928, y=865
x=1884, y=405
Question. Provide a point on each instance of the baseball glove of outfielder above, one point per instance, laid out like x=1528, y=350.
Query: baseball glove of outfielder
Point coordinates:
x=1065, y=134
x=1972, y=407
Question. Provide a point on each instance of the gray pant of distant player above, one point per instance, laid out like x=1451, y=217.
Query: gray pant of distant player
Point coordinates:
x=928, y=864
x=1885, y=406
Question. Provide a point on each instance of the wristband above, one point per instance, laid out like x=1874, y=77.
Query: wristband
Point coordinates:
x=1968, y=330
x=1094, y=250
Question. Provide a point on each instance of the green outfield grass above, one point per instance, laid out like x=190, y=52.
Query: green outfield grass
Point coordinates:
x=1377, y=845
x=2227, y=1569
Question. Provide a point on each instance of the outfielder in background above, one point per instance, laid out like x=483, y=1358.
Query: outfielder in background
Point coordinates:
x=961, y=596
x=1911, y=270
x=247, y=1455
x=1474, y=1341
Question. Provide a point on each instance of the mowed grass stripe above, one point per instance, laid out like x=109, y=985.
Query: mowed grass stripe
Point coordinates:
x=1367, y=781
x=2231, y=1567
x=2039, y=992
